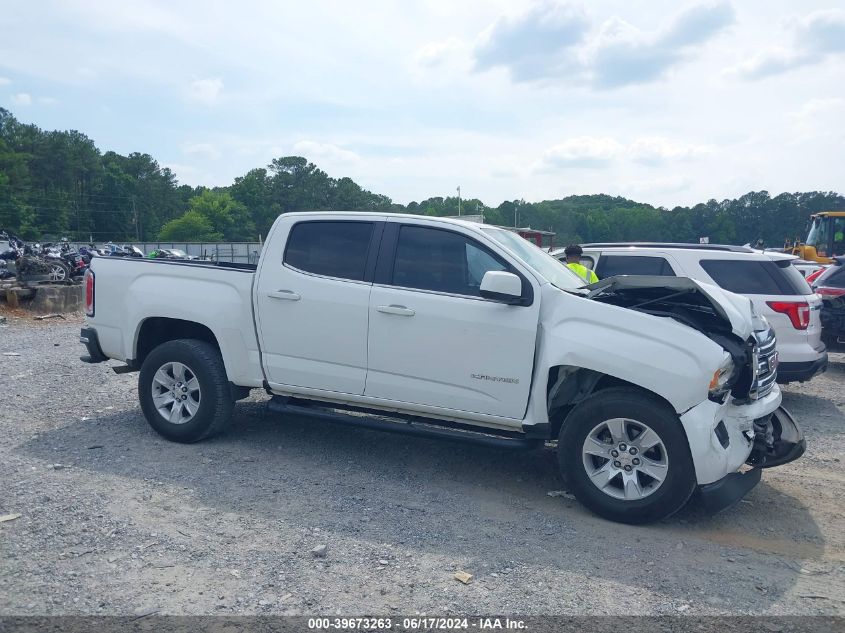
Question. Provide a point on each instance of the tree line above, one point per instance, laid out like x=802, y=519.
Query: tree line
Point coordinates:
x=59, y=184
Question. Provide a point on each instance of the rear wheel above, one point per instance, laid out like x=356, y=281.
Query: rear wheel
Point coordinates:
x=626, y=457
x=184, y=391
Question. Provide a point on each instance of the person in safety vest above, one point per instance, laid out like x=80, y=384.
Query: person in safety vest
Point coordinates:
x=838, y=237
x=573, y=254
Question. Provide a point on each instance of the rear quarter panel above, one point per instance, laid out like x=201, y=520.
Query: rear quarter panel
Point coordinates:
x=128, y=292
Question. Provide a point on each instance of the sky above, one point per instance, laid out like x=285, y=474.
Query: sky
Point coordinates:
x=670, y=103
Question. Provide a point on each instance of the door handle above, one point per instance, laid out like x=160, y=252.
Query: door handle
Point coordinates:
x=397, y=310
x=288, y=295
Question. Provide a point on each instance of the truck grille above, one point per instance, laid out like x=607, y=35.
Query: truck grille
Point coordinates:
x=767, y=364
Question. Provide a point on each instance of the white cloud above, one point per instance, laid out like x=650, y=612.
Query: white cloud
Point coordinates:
x=22, y=99
x=5, y=81
x=817, y=37
x=554, y=41
x=823, y=31
x=205, y=91
x=657, y=150
x=601, y=152
x=771, y=62
x=534, y=44
x=815, y=107
x=326, y=152
x=622, y=54
x=582, y=151
x=819, y=118
x=436, y=54
x=47, y=101
x=207, y=150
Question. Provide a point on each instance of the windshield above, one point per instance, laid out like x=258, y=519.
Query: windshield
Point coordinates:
x=555, y=273
x=818, y=234
x=178, y=253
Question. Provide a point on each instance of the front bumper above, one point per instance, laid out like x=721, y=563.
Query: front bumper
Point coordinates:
x=721, y=436
x=792, y=372
x=778, y=441
x=722, y=494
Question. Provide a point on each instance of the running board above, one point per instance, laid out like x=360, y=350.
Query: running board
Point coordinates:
x=422, y=427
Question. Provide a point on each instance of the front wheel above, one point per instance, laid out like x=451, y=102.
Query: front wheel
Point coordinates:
x=626, y=457
x=184, y=391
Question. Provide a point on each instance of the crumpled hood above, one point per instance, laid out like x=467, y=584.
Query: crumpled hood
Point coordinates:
x=736, y=309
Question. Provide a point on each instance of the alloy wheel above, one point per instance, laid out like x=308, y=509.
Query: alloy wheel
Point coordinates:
x=625, y=459
x=176, y=393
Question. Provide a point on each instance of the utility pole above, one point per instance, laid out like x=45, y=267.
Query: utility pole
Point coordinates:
x=515, y=213
x=137, y=220
x=459, y=200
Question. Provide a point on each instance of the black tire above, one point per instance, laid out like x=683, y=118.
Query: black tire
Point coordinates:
x=215, y=404
x=667, y=497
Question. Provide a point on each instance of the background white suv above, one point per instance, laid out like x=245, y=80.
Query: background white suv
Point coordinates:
x=776, y=288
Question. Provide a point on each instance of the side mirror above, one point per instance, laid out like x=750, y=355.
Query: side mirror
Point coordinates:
x=501, y=286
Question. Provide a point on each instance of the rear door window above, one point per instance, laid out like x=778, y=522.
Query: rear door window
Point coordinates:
x=333, y=249
x=756, y=277
x=610, y=265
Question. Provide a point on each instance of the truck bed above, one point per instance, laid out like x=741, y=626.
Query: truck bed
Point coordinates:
x=218, y=295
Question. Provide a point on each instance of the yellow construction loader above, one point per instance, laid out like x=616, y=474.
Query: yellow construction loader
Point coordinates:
x=825, y=239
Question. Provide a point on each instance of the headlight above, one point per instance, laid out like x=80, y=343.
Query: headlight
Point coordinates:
x=721, y=377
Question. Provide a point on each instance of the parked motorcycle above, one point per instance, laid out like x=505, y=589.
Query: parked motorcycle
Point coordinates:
x=127, y=250
x=8, y=252
x=63, y=263
x=29, y=265
x=170, y=253
x=48, y=261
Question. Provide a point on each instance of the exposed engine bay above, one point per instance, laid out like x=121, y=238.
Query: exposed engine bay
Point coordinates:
x=687, y=302
x=687, y=305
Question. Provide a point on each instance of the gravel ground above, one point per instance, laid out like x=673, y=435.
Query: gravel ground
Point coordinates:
x=115, y=520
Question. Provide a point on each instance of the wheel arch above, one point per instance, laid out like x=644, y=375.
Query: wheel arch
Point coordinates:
x=567, y=386
x=153, y=331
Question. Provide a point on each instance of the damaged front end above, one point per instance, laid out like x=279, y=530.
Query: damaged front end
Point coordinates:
x=741, y=422
x=703, y=307
x=725, y=318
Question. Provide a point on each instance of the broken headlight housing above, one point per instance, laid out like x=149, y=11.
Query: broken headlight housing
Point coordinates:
x=721, y=382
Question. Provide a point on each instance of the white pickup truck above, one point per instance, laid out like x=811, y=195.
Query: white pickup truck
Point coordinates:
x=653, y=387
